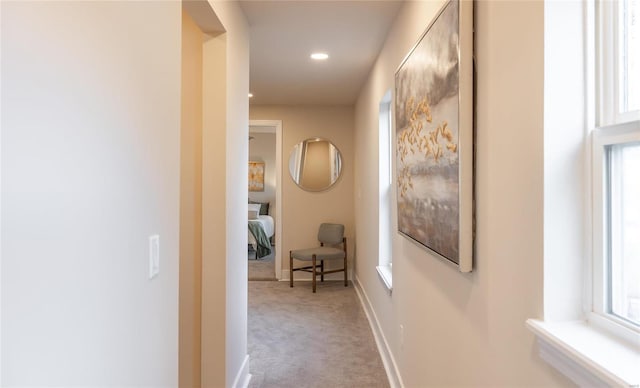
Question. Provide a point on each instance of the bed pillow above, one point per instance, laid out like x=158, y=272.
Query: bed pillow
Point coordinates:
x=254, y=211
x=264, y=207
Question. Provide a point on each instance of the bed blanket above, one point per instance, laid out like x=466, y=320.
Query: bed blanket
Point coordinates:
x=263, y=245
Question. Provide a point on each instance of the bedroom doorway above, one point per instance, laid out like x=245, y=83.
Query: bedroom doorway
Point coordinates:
x=262, y=130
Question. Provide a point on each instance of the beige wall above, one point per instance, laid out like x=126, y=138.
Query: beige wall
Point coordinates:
x=303, y=211
x=91, y=150
x=90, y=169
x=468, y=329
x=190, y=203
x=263, y=149
x=214, y=217
x=227, y=262
x=314, y=165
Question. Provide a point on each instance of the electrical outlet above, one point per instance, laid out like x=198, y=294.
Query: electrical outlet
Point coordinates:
x=154, y=256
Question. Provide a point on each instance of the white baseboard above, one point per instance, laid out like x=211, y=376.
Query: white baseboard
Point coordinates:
x=390, y=366
x=243, y=377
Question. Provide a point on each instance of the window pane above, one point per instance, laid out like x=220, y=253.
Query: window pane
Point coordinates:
x=385, y=205
x=624, y=206
x=629, y=60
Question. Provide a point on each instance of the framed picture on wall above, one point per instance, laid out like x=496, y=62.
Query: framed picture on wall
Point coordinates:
x=434, y=137
x=256, y=176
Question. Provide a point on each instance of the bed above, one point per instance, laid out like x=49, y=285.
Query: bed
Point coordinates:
x=260, y=229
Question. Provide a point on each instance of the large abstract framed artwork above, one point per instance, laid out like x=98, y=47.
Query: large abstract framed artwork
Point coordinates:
x=434, y=137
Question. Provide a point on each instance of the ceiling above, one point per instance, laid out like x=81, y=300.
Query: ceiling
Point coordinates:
x=285, y=33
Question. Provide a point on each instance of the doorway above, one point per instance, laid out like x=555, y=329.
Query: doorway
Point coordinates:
x=273, y=127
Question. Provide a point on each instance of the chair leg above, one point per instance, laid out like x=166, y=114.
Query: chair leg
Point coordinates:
x=345, y=271
x=290, y=269
x=322, y=270
x=313, y=273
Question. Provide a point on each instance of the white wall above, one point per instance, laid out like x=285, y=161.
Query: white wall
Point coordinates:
x=1, y=191
x=262, y=148
x=565, y=188
x=90, y=169
x=468, y=329
x=304, y=211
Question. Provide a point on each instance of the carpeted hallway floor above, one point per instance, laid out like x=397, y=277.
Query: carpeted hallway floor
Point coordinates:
x=298, y=339
x=264, y=268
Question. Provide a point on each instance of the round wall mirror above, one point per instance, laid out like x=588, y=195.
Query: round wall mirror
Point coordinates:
x=315, y=164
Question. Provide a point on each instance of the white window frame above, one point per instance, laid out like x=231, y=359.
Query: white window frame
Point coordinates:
x=612, y=127
x=590, y=348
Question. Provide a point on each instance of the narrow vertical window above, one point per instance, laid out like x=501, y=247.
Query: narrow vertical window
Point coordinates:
x=385, y=250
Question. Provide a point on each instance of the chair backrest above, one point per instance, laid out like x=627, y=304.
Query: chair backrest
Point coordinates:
x=331, y=234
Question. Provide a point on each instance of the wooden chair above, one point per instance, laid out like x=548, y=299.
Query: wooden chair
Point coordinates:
x=329, y=235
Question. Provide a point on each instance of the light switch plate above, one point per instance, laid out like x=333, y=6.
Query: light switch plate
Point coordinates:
x=154, y=256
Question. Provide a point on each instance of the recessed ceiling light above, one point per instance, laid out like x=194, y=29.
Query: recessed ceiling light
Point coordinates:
x=319, y=56
x=250, y=95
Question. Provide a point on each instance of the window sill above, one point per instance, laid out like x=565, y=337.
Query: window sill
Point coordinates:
x=587, y=355
x=384, y=271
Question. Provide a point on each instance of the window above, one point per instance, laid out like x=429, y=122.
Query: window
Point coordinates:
x=616, y=284
x=623, y=208
x=618, y=59
x=592, y=136
x=385, y=192
x=629, y=56
x=616, y=163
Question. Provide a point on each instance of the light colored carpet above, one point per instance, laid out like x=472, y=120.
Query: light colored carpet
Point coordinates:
x=305, y=340
x=264, y=268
